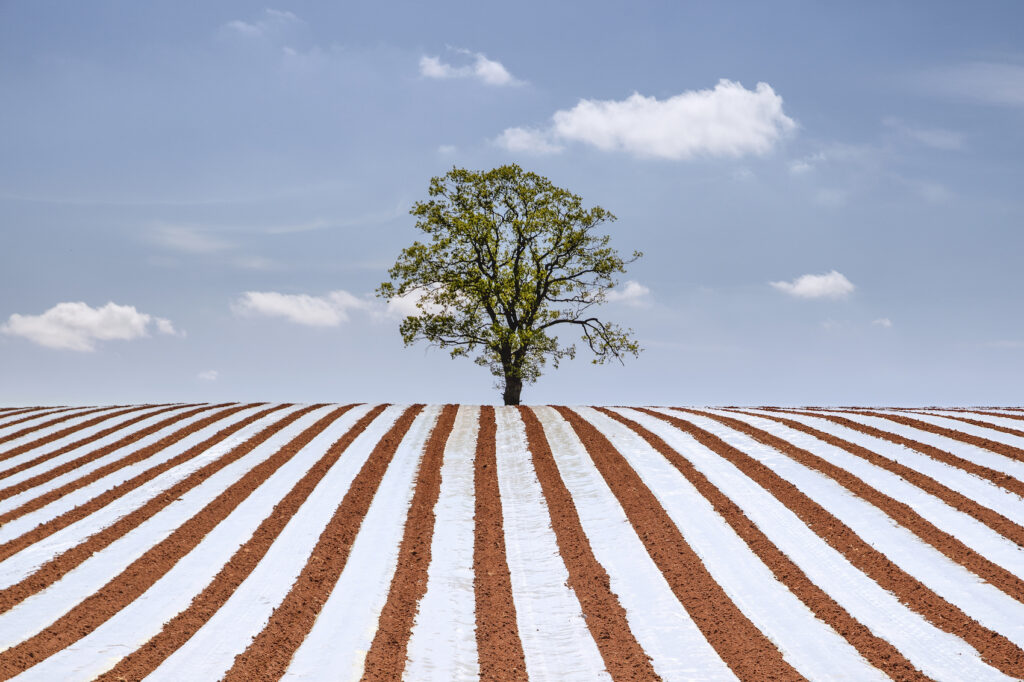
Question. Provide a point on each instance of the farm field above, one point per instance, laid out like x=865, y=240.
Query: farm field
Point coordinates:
x=445, y=542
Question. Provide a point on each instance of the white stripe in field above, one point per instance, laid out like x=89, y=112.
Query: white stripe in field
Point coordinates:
x=979, y=490
x=972, y=533
x=678, y=649
x=936, y=653
x=807, y=643
x=7, y=426
x=15, y=501
x=557, y=645
x=209, y=653
x=45, y=431
x=143, y=618
x=980, y=600
x=1002, y=419
x=442, y=645
x=16, y=567
x=971, y=453
x=970, y=429
x=38, y=611
x=343, y=631
x=43, y=450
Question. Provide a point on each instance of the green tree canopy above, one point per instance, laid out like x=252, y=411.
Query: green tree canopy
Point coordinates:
x=509, y=260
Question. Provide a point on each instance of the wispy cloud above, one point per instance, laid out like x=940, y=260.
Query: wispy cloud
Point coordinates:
x=726, y=121
x=77, y=326
x=996, y=83
x=632, y=293
x=329, y=310
x=189, y=239
x=270, y=21
x=208, y=375
x=487, y=71
x=882, y=322
x=936, y=138
x=830, y=285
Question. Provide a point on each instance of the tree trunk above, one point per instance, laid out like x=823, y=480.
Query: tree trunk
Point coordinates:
x=513, y=387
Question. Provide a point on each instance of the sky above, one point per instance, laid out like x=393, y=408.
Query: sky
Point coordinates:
x=198, y=200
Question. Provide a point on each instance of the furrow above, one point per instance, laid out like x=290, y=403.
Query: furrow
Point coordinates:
x=188, y=625
x=983, y=430
x=89, y=614
x=32, y=413
x=743, y=647
x=996, y=649
x=22, y=441
x=386, y=658
x=291, y=623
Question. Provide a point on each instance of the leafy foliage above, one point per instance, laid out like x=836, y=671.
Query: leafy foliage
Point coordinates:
x=509, y=257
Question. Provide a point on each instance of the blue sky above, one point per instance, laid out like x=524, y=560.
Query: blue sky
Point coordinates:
x=828, y=194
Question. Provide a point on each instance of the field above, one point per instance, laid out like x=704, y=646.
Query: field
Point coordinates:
x=442, y=542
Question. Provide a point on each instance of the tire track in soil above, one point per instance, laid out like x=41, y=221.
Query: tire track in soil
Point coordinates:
x=387, y=654
x=1004, y=481
x=127, y=441
x=741, y=645
x=994, y=648
x=268, y=655
x=133, y=581
x=64, y=432
x=179, y=629
x=606, y=619
x=54, y=569
x=79, y=443
x=1003, y=449
x=499, y=648
x=975, y=422
x=876, y=650
x=994, y=520
x=902, y=513
x=71, y=516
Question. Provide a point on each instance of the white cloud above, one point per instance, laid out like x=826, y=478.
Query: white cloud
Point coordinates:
x=446, y=149
x=482, y=69
x=830, y=285
x=728, y=120
x=208, y=375
x=77, y=326
x=632, y=293
x=936, y=138
x=527, y=140
x=270, y=21
x=329, y=310
x=806, y=164
x=406, y=305
x=996, y=83
x=189, y=239
x=882, y=322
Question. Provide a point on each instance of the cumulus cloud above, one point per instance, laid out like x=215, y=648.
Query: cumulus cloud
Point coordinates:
x=882, y=322
x=481, y=68
x=77, y=326
x=728, y=120
x=631, y=293
x=329, y=310
x=829, y=285
x=270, y=21
x=208, y=375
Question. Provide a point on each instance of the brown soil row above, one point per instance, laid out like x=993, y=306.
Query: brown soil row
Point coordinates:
x=900, y=512
x=127, y=441
x=874, y=649
x=958, y=501
x=79, y=443
x=131, y=583
x=741, y=645
x=16, y=411
x=983, y=424
x=977, y=441
x=385, y=660
x=994, y=648
x=499, y=648
x=25, y=416
x=56, y=568
x=179, y=629
x=623, y=656
x=998, y=478
x=85, y=509
x=268, y=655
x=64, y=432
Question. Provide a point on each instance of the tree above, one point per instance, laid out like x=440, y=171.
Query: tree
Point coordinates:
x=510, y=260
